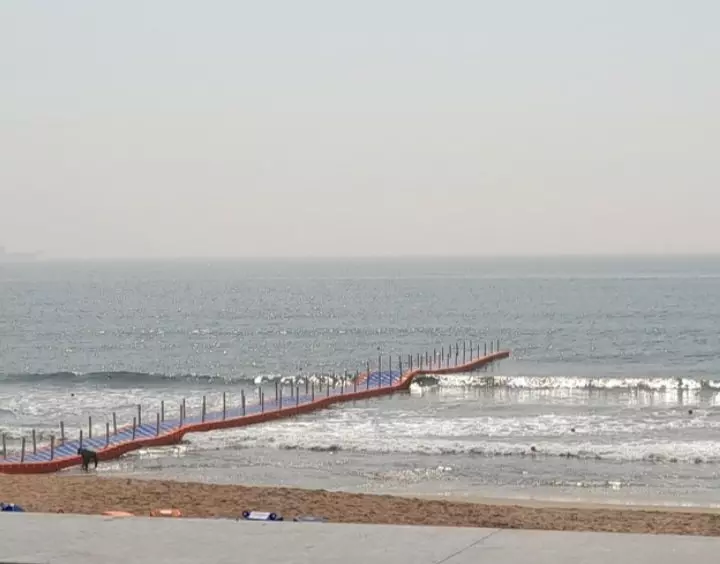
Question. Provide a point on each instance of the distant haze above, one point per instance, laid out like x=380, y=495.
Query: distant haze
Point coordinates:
x=326, y=128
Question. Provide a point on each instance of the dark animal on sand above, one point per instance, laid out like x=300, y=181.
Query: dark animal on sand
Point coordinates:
x=88, y=456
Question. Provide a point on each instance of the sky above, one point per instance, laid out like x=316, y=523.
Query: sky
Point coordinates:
x=178, y=128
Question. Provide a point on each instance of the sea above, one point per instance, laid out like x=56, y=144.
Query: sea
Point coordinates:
x=611, y=393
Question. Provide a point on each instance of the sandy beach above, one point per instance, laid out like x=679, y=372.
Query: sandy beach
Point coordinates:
x=92, y=495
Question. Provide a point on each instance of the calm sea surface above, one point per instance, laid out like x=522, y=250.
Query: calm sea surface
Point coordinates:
x=608, y=358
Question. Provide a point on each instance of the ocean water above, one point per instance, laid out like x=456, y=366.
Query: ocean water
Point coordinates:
x=612, y=392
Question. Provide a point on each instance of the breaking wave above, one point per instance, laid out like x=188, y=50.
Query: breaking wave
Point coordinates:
x=119, y=377
x=567, y=383
x=474, y=380
x=130, y=379
x=659, y=453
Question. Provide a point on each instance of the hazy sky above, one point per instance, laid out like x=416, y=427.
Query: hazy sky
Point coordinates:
x=326, y=127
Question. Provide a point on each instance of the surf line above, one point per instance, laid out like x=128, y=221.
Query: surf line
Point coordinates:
x=166, y=432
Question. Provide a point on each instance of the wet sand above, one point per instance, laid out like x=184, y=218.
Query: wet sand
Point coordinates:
x=92, y=495
x=568, y=504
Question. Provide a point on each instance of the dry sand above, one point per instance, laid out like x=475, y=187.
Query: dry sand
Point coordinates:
x=92, y=495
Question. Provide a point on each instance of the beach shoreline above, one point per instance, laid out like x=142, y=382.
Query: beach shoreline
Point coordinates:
x=91, y=494
x=565, y=503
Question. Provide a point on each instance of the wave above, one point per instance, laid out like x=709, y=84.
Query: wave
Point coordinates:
x=16, y=434
x=659, y=454
x=121, y=377
x=129, y=378
x=653, y=384
x=469, y=380
x=332, y=378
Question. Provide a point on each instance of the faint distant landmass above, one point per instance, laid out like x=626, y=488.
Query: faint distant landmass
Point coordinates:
x=5, y=256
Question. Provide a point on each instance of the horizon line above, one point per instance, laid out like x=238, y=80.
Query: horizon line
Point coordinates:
x=286, y=258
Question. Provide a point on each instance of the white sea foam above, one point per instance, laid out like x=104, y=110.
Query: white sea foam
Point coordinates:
x=647, y=438
x=564, y=382
x=296, y=380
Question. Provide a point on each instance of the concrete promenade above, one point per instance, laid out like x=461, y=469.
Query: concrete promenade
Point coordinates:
x=65, y=539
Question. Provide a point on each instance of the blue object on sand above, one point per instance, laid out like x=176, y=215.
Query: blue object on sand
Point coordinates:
x=261, y=516
x=11, y=507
